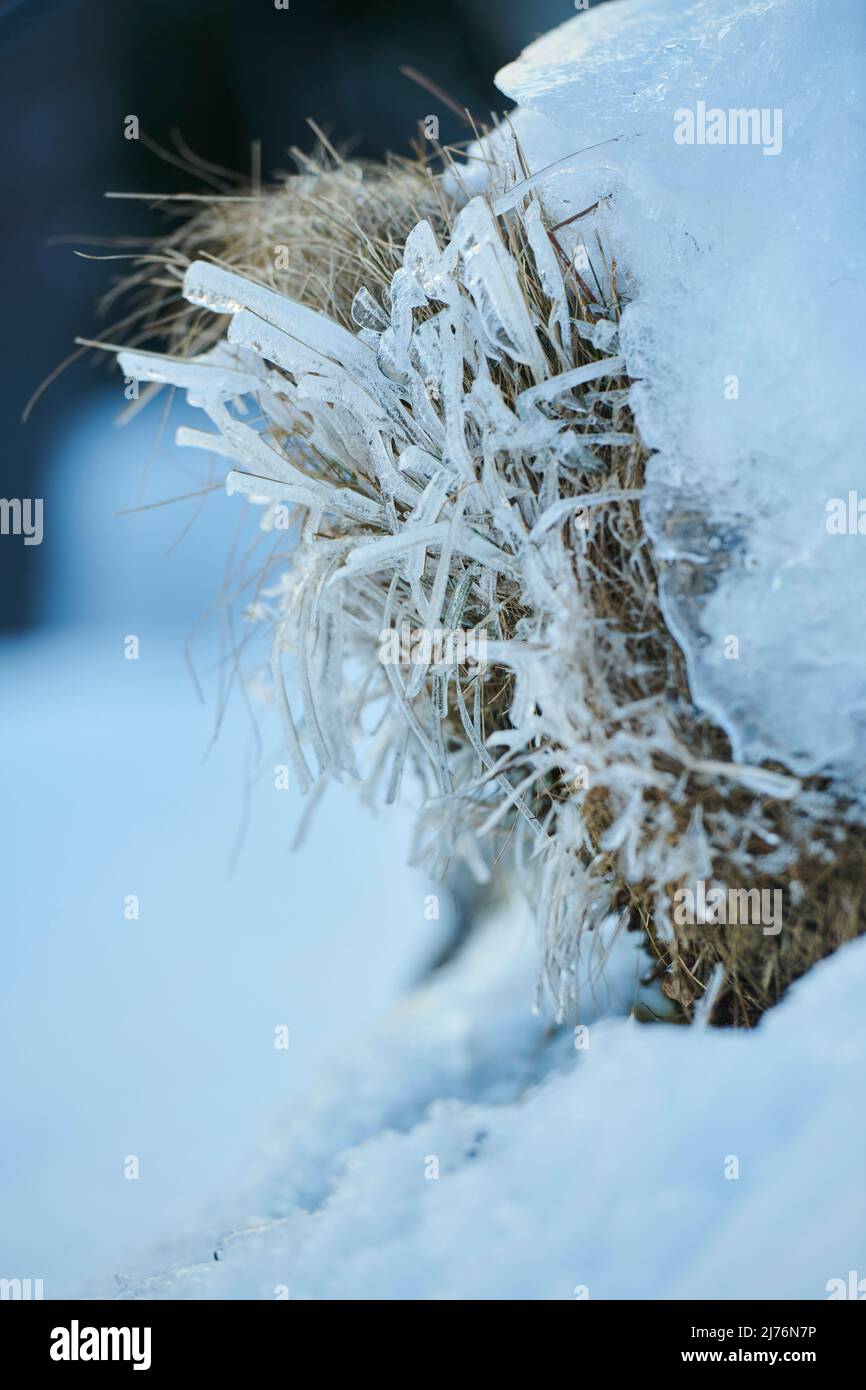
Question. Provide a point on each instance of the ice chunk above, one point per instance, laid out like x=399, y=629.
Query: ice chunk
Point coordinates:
x=727, y=141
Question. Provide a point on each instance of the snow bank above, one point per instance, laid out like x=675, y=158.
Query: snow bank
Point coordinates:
x=748, y=262
x=654, y=1162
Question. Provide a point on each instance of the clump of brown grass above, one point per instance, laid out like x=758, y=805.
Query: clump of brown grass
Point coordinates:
x=315, y=236
x=337, y=229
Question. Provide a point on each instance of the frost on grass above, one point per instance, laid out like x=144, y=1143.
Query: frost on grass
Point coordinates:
x=455, y=443
x=457, y=462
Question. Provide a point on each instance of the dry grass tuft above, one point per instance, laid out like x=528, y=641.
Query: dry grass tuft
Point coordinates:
x=337, y=228
x=315, y=237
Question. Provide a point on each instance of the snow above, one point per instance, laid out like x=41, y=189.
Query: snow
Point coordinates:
x=656, y=1162
x=744, y=335
x=156, y=1037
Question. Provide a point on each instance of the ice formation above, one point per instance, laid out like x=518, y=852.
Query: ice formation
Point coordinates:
x=744, y=333
x=444, y=498
x=465, y=459
x=452, y=459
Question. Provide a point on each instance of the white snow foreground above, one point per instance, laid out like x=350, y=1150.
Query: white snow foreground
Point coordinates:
x=658, y=1162
x=745, y=333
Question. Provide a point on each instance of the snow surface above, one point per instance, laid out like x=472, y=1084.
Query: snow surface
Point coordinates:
x=597, y=1173
x=745, y=265
x=156, y=1037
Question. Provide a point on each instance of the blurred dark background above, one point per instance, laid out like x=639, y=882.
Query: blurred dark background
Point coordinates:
x=223, y=73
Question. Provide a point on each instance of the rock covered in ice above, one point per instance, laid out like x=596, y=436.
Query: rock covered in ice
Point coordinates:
x=747, y=261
